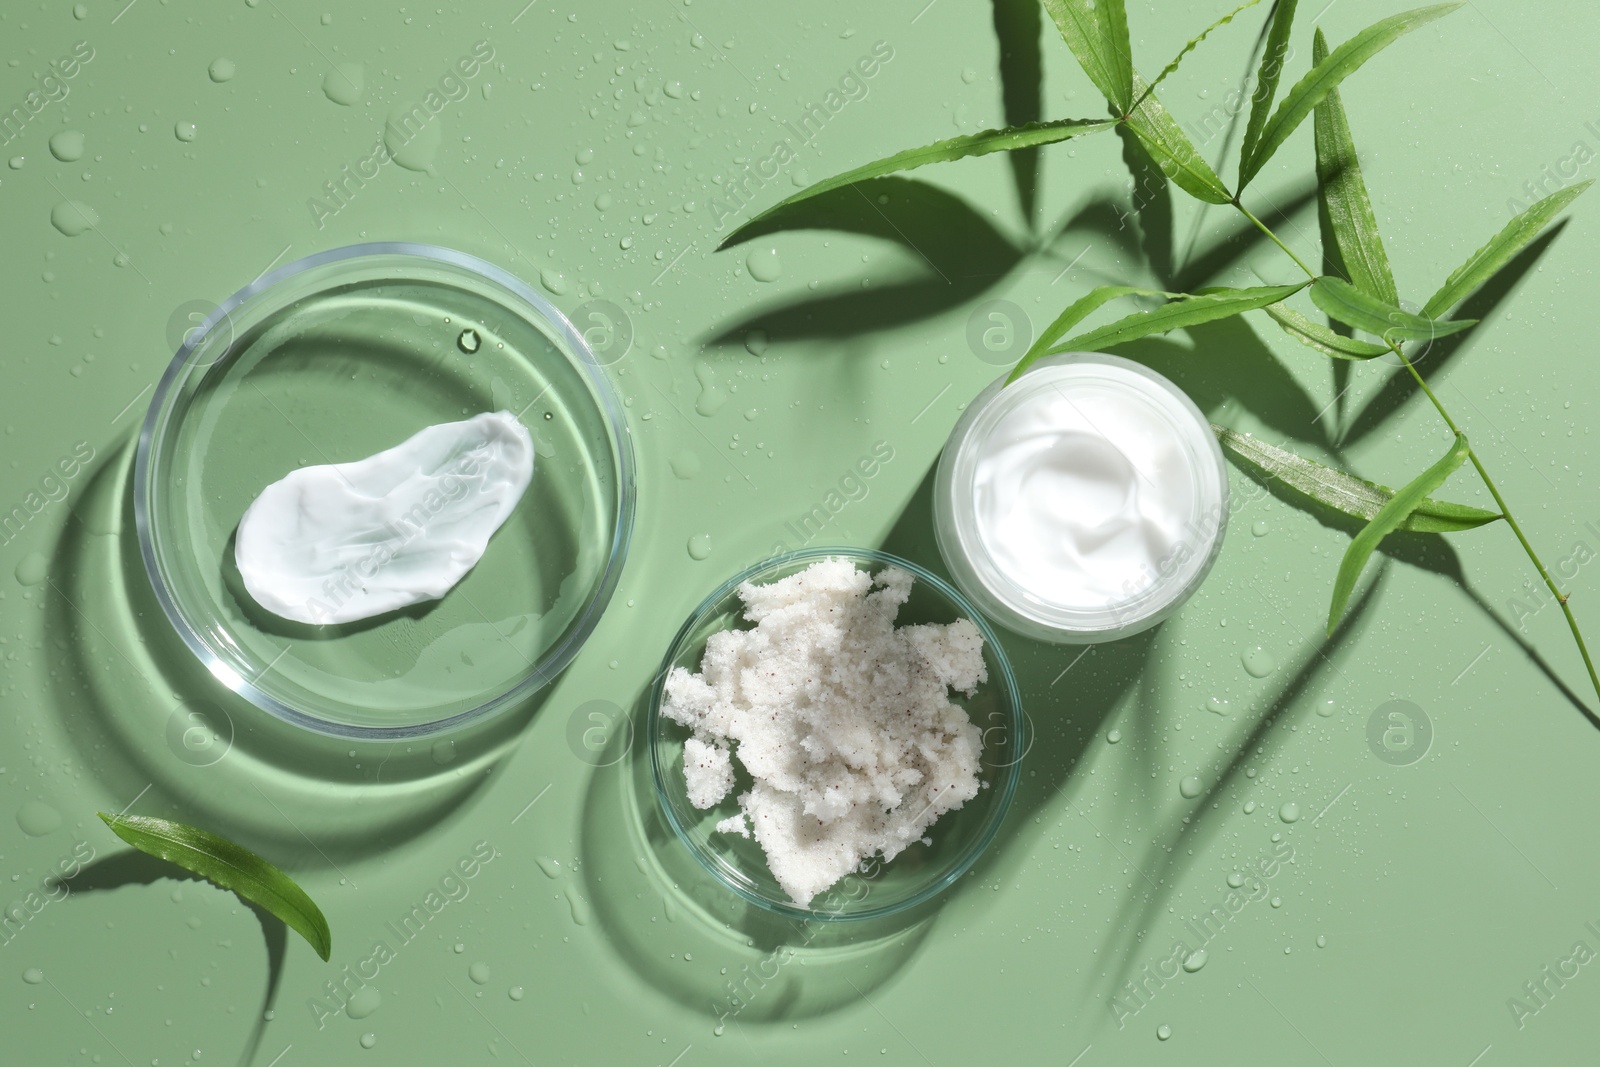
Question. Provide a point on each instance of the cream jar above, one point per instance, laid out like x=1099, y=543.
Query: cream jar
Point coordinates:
x=1082, y=503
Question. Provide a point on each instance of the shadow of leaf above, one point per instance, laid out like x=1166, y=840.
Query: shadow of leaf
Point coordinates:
x=1016, y=27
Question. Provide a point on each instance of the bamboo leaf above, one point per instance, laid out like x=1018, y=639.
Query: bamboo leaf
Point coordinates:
x=1076, y=313
x=1342, y=492
x=231, y=867
x=1349, y=305
x=1190, y=47
x=1172, y=150
x=1501, y=249
x=1315, y=335
x=1386, y=521
x=1097, y=33
x=1344, y=195
x=1272, y=58
x=1343, y=61
x=973, y=144
x=1181, y=312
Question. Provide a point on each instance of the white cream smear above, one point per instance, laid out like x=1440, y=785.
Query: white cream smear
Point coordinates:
x=344, y=541
x=1083, y=491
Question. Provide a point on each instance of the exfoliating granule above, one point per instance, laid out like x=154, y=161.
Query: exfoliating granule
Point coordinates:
x=842, y=719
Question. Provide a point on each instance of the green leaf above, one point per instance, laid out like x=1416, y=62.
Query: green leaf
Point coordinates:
x=1349, y=305
x=1184, y=311
x=1344, y=196
x=1097, y=33
x=1500, y=250
x=1193, y=43
x=1172, y=150
x=1076, y=313
x=972, y=144
x=1272, y=58
x=1345, y=493
x=229, y=866
x=1309, y=91
x=1315, y=335
x=1386, y=521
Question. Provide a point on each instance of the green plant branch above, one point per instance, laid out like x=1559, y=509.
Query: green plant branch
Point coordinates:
x=1477, y=464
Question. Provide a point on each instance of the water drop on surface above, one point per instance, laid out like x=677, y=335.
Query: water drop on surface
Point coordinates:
x=1322, y=940
x=1217, y=705
x=444, y=752
x=712, y=396
x=553, y=280
x=1290, y=812
x=32, y=569
x=73, y=217
x=755, y=342
x=699, y=546
x=764, y=265
x=551, y=867
x=344, y=83
x=515, y=992
x=1326, y=708
x=1163, y=1032
x=80, y=11
x=368, y=1040
x=685, y=464
x=1249, y=807
x=1113, y=737
x=1189, y=787
x=36, y=818
x=1235, y=880
x=67, y=145
x=363, y=1002
x=1258, y=662
x=221, y=69
x=479, y=973
x=1259, y=528
x=16, y=162
x=468, y=341
x=1195, y=960
x=33, y=976
x=185, y=131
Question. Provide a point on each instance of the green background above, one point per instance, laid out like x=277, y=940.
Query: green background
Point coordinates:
x=1420, y=897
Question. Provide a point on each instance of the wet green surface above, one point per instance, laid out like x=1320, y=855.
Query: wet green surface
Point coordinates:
x=511, y=896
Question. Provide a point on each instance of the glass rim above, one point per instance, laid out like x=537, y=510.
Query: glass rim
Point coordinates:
x=158, y=422
x=1011, y=772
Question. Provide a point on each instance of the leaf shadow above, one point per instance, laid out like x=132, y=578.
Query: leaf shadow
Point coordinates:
x=1398, y=388
x=133, y=867
x=1017, y=26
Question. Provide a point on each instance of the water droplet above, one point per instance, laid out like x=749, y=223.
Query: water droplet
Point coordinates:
x=1235, y=879
x=67, y=145
x=1326, y=708
x=444, y=752
x=712, y=396
x=32, y=569
x=364, y=1002
x=344, y=83
x=699, y=546
x=1217, y=705
x=685, y=464
x=1322, y=940
x=1190, y=787
x=73, y=217
x=36, y=818
x=33, y=976
x=80, y=11
x=469, y=341
x=479, y=973
x=515, y=992
x=1259, y=528
x=673, y=89
x=1277, y=902
x=553, y=280
x=221, y=69
x=1290, y=812
x=185, y=131
x=16, y=162
x=579, y=906
x=411, y=143
x=755, y=342
x=1259, y=662
x=1113, y=737
x=368, y=1040
x=1195, y=960
x=551, y=867
x=1249, y=807
x=1163, y=1032
x=764, y=265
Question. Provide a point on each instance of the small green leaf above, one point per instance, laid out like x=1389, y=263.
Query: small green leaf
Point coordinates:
x=1097, y=33
x=1315, y=335
x=1386, y=521
x=1309, y=91
x=1218, y=303
x=231, y=867
x=1345, y=493
x=1272, y=57
x=1349, y=305
x=1172, y=150
x=1193, y=43
x=1344, y=196
x=1075, y=314
x=1500, y=250
x=972, y=144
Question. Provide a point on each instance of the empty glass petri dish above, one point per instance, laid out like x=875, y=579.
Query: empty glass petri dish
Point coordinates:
x=333, y=358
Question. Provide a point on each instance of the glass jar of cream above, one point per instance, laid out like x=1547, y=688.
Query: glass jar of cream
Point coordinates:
x=1082, y=503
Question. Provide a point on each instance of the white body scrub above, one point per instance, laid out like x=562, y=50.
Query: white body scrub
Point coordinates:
x=346, y=541
x=842, y=721
x=1083, y=502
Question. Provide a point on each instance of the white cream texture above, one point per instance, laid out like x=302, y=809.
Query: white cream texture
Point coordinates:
x=1084, y=488
x=841, y=719
x=338, y=542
